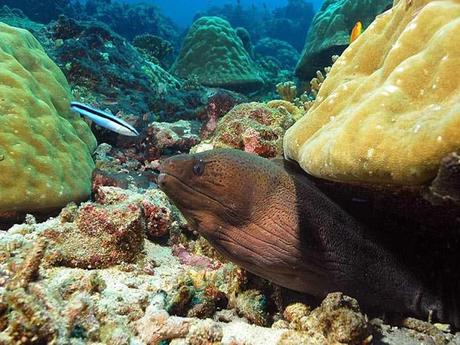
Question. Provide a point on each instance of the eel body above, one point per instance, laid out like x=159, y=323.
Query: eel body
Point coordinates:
x=274, y=222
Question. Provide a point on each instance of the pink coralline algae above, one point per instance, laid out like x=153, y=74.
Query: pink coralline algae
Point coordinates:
x=188, y=258
x=157, y=219
x=219, y=103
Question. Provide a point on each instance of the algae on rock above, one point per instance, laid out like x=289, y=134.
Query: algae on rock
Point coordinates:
x=45, y=149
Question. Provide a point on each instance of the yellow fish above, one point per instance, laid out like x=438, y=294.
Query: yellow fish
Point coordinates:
x=357, y=30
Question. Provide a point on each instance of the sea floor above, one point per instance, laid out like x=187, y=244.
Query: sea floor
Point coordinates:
x=175, y=288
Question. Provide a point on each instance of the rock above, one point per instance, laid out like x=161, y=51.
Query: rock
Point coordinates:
x=157, y=214
x=329, y=32
x=161, y=137
x=253, y=127
x=339, y=320
x=41, y=11
x=100, y=236
x=252, y=305
x=110, y=230
x=218, y=103
x=445, y=188
x=214, y=53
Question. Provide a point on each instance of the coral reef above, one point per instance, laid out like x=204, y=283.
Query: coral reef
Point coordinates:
x=155, y=48
x=252, y=127
x=388, y=104
x=15, y=17
x=127, y=19
x=95, y=236
x=317, y=82
x=338, y=320
x=287, y=23
x=214, y=53
x=40, y=11
x=218, y=103
x=163, y=137
x=45, y=152
x=42, y=301
x=290, y=23
x=245, y=38
x=329, y=33
x=125, y=267
x=252, y=305
x=296, y=109
x=94, y=57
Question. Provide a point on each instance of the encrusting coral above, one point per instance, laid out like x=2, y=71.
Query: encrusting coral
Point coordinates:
x=215, y=54
x=388, y=111
x=253, y=127
x=45, y=149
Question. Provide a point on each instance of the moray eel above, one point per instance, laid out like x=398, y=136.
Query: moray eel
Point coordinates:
x=272, y=220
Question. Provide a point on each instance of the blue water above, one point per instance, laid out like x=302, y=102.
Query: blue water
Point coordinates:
x=183, y=11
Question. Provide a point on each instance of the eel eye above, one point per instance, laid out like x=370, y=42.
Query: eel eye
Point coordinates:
x=198, y=168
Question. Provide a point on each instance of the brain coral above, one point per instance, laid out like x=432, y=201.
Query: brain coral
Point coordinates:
x=214, y=53
x=329, y=33
x=389, y=111
x=45, y=149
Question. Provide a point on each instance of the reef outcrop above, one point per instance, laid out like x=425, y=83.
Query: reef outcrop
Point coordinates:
x=95, y=58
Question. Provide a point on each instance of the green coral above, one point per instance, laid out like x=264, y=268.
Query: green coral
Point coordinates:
x=214, y=53
x=45, y=149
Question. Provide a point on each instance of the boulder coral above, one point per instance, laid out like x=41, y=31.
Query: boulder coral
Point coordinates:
x=45, y=149
x=329, y=33
x=213, y=52
x=389, y=111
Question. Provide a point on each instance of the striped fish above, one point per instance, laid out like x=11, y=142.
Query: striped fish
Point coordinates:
x=104, y=119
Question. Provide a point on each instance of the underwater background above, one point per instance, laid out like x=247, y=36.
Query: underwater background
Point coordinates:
x=229, y=172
